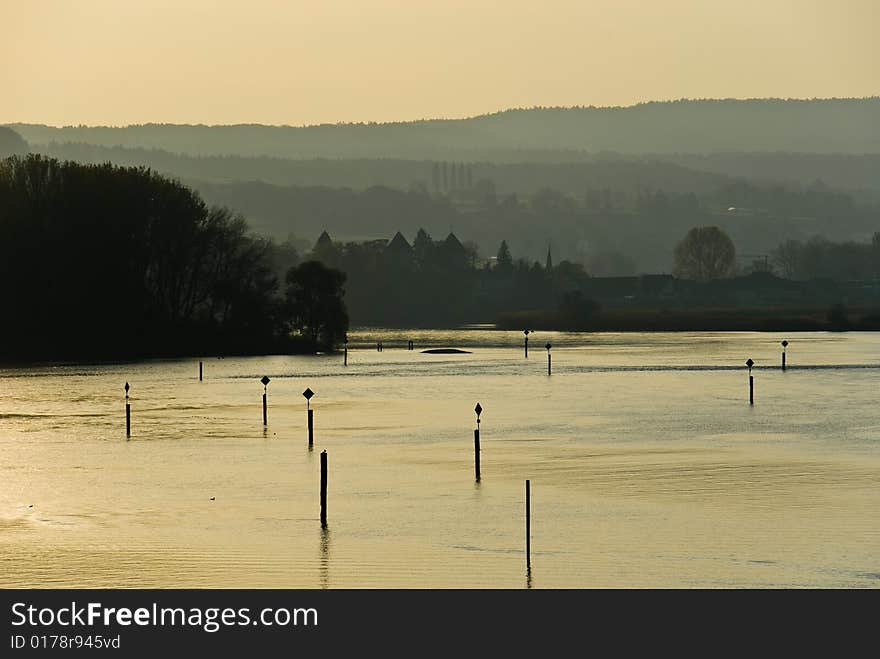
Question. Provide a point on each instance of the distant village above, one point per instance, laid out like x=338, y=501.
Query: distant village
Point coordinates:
x=758, y=288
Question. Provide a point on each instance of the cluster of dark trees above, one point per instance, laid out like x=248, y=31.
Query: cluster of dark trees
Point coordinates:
x=445, y=283
x=104, y=261
x=821, y=258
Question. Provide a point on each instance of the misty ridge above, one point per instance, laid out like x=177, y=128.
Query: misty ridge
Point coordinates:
x=687, y=126
x=612, y=190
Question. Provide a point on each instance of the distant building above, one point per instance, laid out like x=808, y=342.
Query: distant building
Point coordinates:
x=399, y=251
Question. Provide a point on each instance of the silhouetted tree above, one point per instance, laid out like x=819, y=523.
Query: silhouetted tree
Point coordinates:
x=423, y=248
x=503, y=260
x=124, y=262
x=315, y=304
x=705, y=253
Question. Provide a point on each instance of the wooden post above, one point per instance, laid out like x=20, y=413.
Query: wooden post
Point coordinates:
x=265, y=381
x=528, y=528
x=548, y=346
x=751, y=363
x=345, y=356
x=783, y=360
x=477, y=454
x=200, y=370
x=127, y=413
x=307, y=394
x=324, y=489
x=526, y=343
x=479, y=410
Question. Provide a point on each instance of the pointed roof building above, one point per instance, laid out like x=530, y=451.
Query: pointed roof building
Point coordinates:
x=324, y=240
x=399, y=245
x=452, y=243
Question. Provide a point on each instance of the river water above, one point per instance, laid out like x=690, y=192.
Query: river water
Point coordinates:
x=648, y=466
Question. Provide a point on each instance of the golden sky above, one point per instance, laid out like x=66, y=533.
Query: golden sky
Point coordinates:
x=303, y=62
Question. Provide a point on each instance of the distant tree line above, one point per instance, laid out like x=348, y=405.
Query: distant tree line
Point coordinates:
x=821, y=258
x=611, y=231
x=446, y=282
x=104, y=261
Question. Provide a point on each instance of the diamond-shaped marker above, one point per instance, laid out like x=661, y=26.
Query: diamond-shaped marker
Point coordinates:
x=478, y=409
x=749, y=363
x=785, y=344
x=127, y=387
x=548, y=346
x=265, y=380
x=308, y=393
x=526, y=332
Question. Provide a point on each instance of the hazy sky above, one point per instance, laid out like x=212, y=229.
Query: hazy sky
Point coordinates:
x=301, y=62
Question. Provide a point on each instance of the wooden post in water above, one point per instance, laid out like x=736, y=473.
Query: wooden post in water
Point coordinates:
x=324, y=489
x=345, y=351
x=265, y=380
x=478, y=409
x=528, y=528
x=409, y=344
x=750, y=363
x=784, y=346
x=307, y=394
x=548, y=346
x=526, y=343
x=127, y=412
x=200, y=370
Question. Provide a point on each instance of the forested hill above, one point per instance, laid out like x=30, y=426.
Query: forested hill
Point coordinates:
x=688, y=126
x=362, y=173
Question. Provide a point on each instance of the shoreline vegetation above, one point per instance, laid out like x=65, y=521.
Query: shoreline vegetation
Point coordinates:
x=99, y=261
x=836, y=319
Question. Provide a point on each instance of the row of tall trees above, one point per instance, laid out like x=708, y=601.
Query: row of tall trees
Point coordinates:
x=98, y=260
x=451, y=176
x=821, y=258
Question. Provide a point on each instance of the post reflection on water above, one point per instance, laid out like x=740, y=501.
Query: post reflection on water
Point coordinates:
x=324, y=560
x=653, y=469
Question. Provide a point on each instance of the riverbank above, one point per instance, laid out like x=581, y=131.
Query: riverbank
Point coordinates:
x=766, y=319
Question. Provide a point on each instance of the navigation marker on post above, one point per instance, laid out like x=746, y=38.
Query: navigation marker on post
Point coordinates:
x=308, y=393
x=265, y=380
